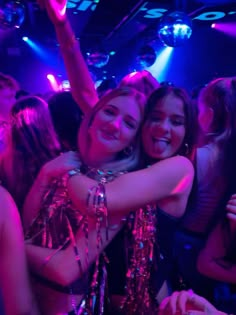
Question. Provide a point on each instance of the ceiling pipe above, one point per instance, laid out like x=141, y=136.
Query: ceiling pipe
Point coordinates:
x=126, y=18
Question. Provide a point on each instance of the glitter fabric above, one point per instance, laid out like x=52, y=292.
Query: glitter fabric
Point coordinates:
x=57, y=223
x=58, y=220
x=139, y=298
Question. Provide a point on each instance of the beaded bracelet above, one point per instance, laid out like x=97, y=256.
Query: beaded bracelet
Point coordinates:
x=75, y=171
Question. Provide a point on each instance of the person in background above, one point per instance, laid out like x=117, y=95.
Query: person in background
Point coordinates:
x=142, y=80
x=214, y=182
x=32, y=143
x=217, y=260
x=187, y=303
x=8, y=90
x=66, y=117
x=14, y=279
x=106, y=86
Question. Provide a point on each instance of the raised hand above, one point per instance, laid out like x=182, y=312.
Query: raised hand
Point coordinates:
x=56, y=10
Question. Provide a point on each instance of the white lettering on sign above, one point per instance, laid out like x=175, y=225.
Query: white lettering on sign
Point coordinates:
x=206, y=16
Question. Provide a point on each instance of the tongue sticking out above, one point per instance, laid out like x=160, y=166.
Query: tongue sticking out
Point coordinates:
x=160, y=145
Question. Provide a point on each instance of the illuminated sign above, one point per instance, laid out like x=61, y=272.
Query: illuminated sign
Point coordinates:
x=82, y=5
x=156, y=13
x=146, y=11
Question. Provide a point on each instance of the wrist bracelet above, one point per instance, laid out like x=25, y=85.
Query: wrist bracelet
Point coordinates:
x=71, y=173
x=75, y=171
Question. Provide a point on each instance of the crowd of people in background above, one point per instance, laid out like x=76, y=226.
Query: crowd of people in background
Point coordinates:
x=117, y=200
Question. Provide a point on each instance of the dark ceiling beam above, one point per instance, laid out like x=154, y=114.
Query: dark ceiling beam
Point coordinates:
x=126, y=18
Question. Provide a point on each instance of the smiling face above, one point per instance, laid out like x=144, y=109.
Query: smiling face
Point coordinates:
x=114, y=127
x=164, y=129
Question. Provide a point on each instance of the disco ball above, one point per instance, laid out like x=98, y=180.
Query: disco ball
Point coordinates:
x=97, y=59
x=146, y=57
x=12, y=15
x=175, y=29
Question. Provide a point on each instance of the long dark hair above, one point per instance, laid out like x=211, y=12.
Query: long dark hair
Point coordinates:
x=220, y=96
x=32, y=143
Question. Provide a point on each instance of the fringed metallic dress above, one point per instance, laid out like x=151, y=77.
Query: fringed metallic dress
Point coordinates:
x=55, y=227
x=140, y=298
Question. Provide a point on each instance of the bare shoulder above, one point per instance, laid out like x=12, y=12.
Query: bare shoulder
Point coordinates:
x=5, y=197
x=183, y=161
x=7, y=204
x=178, y=163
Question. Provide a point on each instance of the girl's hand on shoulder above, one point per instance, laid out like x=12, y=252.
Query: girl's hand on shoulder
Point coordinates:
x=60, y=165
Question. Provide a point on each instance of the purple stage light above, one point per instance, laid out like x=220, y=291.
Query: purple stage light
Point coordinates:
x=226, y=28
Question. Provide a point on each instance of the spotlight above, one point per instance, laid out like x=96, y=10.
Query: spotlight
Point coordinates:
x=50, y=77
x=12, y=15
x=175, y=28
x=97, y=58
x=160, y=68
x=213, y=25
x=146, y=56
x=52, y=80
x=25, y=38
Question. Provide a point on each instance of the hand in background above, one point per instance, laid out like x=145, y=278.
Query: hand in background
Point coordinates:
x=231, y=210
x=186, y=303
x=56, y=10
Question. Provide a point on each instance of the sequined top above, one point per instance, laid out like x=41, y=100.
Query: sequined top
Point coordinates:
x=58, y=220
x=55, y=227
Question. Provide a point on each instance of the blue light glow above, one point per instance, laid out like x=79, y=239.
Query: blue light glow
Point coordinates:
x=160, y=67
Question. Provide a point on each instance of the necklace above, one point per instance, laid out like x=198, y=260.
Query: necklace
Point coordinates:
x=100, y=174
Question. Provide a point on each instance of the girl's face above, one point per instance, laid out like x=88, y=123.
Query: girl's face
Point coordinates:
x=164, y=130
x=115, y=126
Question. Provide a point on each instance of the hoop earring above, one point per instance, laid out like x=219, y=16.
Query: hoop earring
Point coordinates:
x=128, y=150
x=186, y=148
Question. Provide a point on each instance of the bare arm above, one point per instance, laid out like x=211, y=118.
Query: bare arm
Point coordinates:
x=170, y=178
x=82, y=85
x=62, y=266
x=14, y=279
x=210, y=260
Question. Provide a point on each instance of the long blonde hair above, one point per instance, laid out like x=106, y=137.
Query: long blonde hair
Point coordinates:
x=123, y=162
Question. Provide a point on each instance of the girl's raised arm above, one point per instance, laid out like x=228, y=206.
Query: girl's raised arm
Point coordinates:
x=82, y=85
